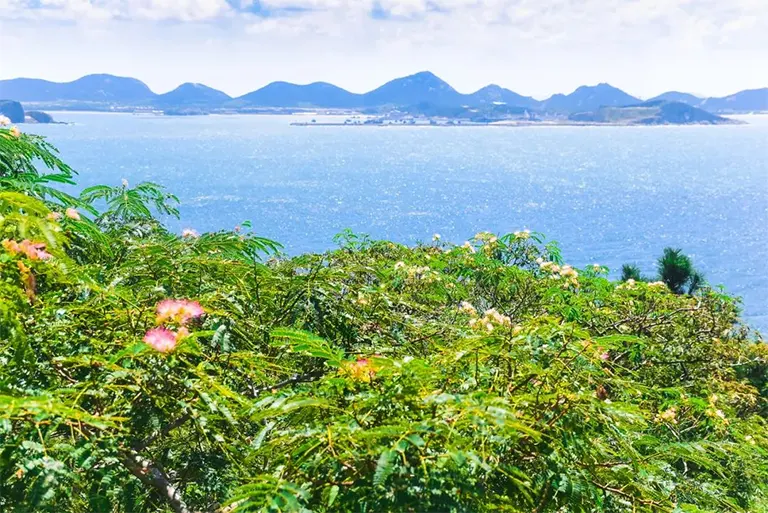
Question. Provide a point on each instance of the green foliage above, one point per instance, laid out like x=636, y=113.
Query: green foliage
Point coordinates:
x=631, y=272
x=20, y=160
x=675, y=270
x=130, y=204
x=376, y=377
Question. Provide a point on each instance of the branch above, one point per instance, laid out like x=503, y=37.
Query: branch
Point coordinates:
x=149, y=474
x=180, y=421
x=622, y=493
x=163, y=432
x=296, y=378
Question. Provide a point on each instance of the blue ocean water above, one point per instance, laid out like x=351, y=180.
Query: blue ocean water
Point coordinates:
x=608, y=195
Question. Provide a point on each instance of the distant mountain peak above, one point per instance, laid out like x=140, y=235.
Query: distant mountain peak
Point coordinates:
x=192, y=94
x=423, y=86
x=590, y=98
x=424, y=74
x=102, y=89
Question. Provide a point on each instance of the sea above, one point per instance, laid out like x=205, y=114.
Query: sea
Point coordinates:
x=609, y=195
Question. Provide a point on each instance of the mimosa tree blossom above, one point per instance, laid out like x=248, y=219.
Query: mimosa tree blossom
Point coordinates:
x=360, y=370
x=33, y=250
x=189, y=233
x=161, y=339
x=180, y=311
x=72, y=214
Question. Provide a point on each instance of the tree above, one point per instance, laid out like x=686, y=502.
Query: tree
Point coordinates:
x=677, y=271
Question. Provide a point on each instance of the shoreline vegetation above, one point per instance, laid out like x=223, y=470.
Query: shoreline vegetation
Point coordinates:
x=144, y=371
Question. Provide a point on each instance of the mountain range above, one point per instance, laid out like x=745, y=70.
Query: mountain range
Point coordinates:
x=106, y=91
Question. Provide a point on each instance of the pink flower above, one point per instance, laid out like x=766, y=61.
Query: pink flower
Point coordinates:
x=180, y=311
x=15, y=132
x=161, y=339
x=33, y=250
x=189, y=233
x=72, y=214
x=360, y=370
x=605, y=356
x=53, y=216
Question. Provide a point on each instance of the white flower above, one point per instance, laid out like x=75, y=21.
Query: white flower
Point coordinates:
x=436, y=237
x=125, y=183
x=467, y=307
x=399, y=265
x=525, y=234
x=15, y=132
x=4, y=121
x=469, y=246
x=189, y=233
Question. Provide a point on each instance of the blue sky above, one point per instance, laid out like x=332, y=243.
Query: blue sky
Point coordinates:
x=535, y=47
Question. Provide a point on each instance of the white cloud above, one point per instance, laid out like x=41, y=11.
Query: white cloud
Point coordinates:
x=88, y=10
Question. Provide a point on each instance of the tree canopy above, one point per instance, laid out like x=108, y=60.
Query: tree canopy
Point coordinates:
x=143, y=371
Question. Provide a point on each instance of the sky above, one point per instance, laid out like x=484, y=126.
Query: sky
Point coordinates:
x=534, y=47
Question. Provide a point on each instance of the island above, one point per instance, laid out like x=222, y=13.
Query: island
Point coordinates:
x=420, y=98
x=14, y=111
x=657, y=112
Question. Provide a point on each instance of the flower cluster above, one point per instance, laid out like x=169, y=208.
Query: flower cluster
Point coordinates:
x=714, y=412
x=468, y=246
x=566, y=272
x=417, y=273
x=669, y=415
x=163, y=340
x=485, y=237
x=14, y=132
x=490, y=320
x=467, y=308
x=4, y=121
x=597, y=268
x=658, y=284
x=33, y=250
x=72, y=214
x=361, y=369
x=189, y=233
x=629, y=285
x=523, y=235
x=177, y=311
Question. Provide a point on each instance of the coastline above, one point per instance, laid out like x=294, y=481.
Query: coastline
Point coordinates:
x=521, y=124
